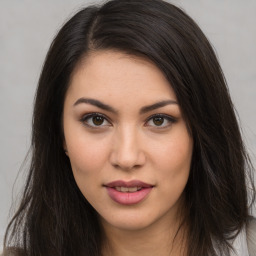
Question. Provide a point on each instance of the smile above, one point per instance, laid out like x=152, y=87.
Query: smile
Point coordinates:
x=125, y=189
x=128, y=193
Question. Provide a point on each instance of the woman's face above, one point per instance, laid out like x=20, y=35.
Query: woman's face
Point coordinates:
x=126, y=139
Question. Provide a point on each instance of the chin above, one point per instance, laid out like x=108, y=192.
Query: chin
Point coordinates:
x=129, y=221
x=130, y=225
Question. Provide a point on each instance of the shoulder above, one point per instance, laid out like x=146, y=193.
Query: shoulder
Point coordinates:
x=251, y=236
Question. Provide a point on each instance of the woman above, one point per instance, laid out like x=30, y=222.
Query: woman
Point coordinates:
x=136, y=149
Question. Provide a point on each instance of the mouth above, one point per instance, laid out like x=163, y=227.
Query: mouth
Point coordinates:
x=128, y=189
x=128, y=184
x=128, y=193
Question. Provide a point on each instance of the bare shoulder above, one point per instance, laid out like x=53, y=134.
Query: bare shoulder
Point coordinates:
x=251, y=236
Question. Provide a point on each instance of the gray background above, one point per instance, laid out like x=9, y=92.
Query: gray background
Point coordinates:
x=26, y=30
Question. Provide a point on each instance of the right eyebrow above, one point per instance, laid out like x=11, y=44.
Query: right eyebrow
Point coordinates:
x=95, y=103
x=157, y=105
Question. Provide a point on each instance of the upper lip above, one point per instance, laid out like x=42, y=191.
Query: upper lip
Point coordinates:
x=128, y=184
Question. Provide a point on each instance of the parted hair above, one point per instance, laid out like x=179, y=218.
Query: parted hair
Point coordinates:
x=54, y=218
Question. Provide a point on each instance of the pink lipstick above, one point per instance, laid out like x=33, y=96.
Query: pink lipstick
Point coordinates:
x=128, y=193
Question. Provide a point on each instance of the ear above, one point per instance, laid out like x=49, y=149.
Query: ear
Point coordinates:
x=65, y=147
x=66, y=152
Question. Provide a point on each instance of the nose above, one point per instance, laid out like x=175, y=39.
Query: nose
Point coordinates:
x=127, y=152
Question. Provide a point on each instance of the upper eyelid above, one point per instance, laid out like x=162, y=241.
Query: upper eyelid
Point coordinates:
x=170, y=119
x=161, y=115
x=85, y=116
x=91, y=114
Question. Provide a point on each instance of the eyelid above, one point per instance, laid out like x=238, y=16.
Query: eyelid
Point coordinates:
x=93, y=114
x=85, y=117
x=170, y=119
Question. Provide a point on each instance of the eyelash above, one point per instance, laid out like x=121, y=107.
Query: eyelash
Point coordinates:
x=85, y=119
x=171, y=120
x=167, y=118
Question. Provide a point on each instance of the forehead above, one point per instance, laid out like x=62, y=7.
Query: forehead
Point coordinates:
x=107, y=74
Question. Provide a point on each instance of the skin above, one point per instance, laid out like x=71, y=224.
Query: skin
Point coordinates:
x=127, y=145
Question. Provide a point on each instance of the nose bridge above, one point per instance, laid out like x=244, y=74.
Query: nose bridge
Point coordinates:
x=127, y=152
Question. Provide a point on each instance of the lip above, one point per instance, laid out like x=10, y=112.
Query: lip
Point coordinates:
x=128, y=184
x=128, y=198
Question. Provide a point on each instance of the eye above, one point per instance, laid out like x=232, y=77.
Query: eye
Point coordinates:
x=160, y=120
x=95, y=120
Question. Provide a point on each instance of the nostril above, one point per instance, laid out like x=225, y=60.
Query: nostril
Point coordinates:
x=125, y=160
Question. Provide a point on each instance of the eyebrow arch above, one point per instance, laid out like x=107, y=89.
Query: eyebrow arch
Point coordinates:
x=106, y=107
x=157, y=105
x=96, y=103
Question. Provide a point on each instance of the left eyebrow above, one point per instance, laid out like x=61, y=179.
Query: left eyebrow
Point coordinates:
x=96, y=103
x=106, y=107
x=157, y=105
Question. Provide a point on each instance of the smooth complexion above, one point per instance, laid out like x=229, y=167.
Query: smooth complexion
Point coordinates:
x=122, y=122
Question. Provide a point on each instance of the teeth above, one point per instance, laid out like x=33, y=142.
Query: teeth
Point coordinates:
x=132, y=189
x=125, y=189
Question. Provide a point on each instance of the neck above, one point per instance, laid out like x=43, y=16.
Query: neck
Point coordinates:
x=163, y=238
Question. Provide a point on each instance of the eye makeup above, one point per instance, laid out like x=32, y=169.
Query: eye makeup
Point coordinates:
x=97, y=120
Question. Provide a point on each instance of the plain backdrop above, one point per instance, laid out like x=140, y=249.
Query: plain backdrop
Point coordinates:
x=27, y=28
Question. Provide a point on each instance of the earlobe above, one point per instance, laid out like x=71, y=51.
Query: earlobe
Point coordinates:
x=66, y=152
x=65, y=148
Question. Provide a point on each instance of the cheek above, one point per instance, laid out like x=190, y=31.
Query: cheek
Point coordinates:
x=173, y=160
x=87, y=154
x=174, y=169
x=88, y=160
x=174, y=154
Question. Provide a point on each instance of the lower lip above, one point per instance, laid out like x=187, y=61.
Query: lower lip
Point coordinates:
x=128, y=198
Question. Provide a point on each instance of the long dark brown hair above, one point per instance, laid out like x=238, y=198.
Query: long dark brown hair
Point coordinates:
x=54, y=218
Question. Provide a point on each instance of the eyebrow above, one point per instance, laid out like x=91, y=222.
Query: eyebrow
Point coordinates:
x=96, y=103
x=157, y=105
x=108, y=108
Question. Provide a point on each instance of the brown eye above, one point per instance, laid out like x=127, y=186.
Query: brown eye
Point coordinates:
x=158, y=121
x=98, y=120
x=95, y=120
